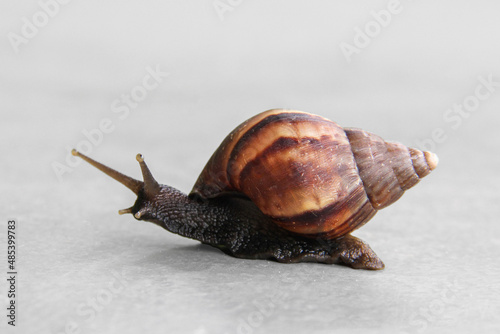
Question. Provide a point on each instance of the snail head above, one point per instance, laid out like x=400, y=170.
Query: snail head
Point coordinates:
x=145, y=190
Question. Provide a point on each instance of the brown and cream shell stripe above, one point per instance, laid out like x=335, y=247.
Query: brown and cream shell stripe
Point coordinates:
x=342, y=176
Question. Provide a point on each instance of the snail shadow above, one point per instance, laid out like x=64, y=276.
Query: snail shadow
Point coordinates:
x=187, y=258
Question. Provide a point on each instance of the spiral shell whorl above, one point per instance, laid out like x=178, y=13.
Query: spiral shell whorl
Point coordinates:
x=387, y=169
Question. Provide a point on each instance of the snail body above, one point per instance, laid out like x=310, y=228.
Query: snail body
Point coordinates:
x=285, y=185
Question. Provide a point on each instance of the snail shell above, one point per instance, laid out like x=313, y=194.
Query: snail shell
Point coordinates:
x=311, y=176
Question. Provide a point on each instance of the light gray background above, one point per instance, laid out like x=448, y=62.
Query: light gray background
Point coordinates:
x=440, y=242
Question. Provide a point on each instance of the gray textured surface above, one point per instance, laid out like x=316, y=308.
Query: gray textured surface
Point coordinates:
x=80, y=263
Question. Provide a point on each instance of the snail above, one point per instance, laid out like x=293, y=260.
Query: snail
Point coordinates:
x=287, y=186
